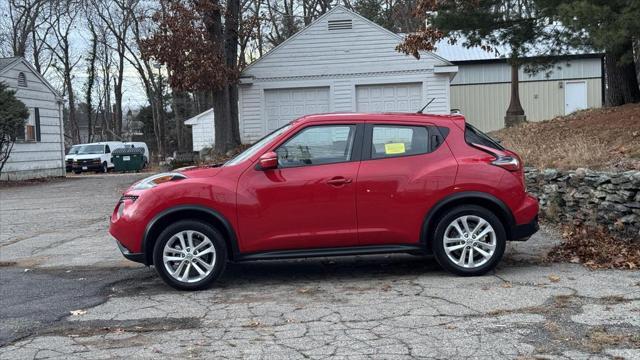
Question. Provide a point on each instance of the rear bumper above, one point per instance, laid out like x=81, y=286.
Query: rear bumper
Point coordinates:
x=523, y=232
x=525, y=219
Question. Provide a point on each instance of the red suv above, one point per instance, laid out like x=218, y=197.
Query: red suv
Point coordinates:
x=334, y=184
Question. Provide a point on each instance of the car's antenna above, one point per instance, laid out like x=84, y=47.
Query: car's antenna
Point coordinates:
x=429, y=103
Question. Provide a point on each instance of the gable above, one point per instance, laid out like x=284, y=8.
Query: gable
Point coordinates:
x=203, y=117
x=35, y=82
x=339, y=42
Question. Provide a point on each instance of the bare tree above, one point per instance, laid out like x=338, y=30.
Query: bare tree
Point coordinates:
x=23, y=16
x=89, y=85
x=116, y=16
x=62, y=23
x=150, y=74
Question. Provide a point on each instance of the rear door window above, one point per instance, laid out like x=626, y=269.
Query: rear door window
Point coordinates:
x=398, y=140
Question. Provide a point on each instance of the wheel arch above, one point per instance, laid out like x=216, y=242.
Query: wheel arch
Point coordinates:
x=191, y=212
x=486, y=200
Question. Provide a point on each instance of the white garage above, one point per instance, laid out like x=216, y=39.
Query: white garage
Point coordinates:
x=283, y=105
x=341, y=62
x=389, y=97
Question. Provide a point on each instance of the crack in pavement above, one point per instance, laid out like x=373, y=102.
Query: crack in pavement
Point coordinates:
x=325, y=314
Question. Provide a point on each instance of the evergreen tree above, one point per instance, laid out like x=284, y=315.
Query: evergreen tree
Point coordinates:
x=13, y=115
x=611, y=25
x=513, y=29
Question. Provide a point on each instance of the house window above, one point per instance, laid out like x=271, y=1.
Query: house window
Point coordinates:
x=31, y=130
x=22, y=80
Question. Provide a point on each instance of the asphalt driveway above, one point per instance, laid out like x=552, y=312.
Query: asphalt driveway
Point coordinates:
x=66, y=292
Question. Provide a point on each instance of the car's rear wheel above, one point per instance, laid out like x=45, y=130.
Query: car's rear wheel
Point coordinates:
x=190, y=255
x=469, y=240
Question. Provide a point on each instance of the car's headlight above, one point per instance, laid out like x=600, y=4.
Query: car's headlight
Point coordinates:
x=156, y=180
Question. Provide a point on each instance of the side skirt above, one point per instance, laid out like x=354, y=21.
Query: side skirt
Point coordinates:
x=339, y=251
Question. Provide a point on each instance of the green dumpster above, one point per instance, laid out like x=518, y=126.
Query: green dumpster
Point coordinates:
x=128, y=159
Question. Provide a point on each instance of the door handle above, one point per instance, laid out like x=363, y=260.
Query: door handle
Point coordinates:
x=338, y=181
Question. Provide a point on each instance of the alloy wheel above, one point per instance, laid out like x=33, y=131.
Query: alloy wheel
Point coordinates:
x=189, y=256
x=469, y=241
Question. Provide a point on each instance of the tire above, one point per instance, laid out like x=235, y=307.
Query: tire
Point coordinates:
x=474, y=251
x=217, y=258
x=105, y=167
x=77, y=172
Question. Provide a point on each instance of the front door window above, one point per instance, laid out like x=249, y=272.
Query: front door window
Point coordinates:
x=318, y=145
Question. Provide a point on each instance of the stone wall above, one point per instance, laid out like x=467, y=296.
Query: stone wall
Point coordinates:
x=589, y=197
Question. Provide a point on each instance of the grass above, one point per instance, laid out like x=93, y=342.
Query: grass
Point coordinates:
x=600, y=139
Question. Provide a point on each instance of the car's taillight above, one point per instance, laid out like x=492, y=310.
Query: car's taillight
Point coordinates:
x=503, y=159
x=509, y=163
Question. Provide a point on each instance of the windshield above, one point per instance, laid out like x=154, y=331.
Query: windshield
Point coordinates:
x=74, y=150
x=253, y=149
x=91, y=149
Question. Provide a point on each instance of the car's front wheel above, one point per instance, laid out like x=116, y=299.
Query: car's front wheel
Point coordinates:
x=190, y=255
x=469, y=240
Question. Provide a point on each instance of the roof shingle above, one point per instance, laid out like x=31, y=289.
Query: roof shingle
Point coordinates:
x=4, y=62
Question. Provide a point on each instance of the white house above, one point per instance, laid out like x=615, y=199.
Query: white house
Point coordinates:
x=39, y=151
x=202, y=129
x=341, y=62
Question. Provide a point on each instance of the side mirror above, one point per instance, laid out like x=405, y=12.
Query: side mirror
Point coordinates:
x=268, y=161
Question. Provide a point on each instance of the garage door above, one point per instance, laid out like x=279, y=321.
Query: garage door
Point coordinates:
x=284, y=105
x=389, y=97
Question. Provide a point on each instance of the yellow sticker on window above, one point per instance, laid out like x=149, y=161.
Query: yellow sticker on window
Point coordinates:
x=394, y=148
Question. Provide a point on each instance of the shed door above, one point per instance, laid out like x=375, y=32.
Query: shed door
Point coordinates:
x=284, y=105
x=575, y=96
x=389, y=97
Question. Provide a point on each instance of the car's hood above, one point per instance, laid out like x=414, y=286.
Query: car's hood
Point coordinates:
x=86, y=156
x=192, y=172
x=70, y=157
x=200, y=171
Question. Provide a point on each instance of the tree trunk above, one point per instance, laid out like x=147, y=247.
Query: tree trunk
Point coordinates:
x=231, y=24
x=181, y=112
x=515, y=112
x=224, y=130
x=621, y=79
x=226, y=138
x=73, y=121
x=117, y=116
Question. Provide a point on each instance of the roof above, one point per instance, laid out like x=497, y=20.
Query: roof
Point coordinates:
x=352, y=13
x=379, y=117
x=7, y=63
x=460, y=53
x=194, y=120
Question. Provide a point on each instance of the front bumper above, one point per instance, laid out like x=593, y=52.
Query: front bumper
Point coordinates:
x=127, y=229
x=87, y=167
x=137, y=257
